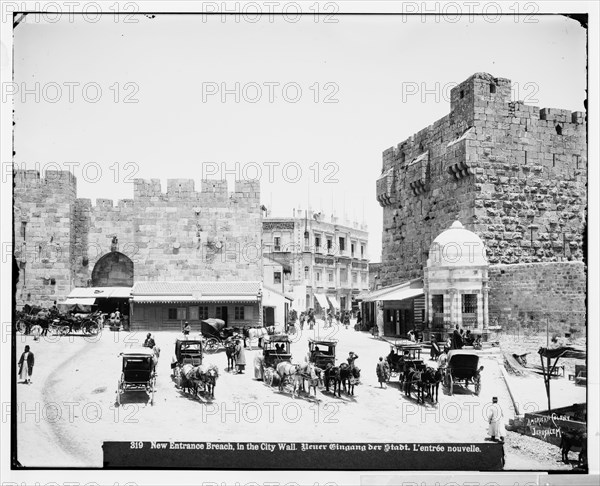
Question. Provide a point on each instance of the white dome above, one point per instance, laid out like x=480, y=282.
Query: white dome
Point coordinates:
x=457, y=247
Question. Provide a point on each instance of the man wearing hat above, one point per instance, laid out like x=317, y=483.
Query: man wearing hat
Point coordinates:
x=186, y=329
x=496, y=421
x=149, y=342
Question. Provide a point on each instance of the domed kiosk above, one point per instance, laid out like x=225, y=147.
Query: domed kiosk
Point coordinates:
x=456, y=283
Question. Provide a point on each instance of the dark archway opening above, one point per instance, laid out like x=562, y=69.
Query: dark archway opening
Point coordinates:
x=113, y=270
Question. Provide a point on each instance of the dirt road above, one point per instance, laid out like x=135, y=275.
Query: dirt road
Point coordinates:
x=69, y=410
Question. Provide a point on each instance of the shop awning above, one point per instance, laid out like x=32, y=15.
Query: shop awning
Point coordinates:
x=100, y=293
x=196, y=292
x=80, y=301
x=333, y=301
x=406, y=290
x=322, y=300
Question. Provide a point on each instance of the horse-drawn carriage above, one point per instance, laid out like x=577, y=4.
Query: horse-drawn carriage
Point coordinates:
x=138, y=373
x=462, y=366
x=76, y=318
x=403, y=356
x=321, y=352
x=275, y=350
x=189, y=373
x=215, y=333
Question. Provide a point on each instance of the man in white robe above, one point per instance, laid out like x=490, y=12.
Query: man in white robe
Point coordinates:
x=496, y=421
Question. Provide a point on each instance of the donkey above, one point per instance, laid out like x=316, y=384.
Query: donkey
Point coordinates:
x=415, y=376
x=432, y=378
x=231, y=353
x=349, y=376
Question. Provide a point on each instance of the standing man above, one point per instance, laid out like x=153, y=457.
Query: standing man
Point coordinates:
x=186, y=329
x=383, y=372
x=311, y=318
x=240, y=356
x=26, y=363
x=358, y=321
x=496, y=421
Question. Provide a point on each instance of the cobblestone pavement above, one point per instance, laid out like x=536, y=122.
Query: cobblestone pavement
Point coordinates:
x=69, y=410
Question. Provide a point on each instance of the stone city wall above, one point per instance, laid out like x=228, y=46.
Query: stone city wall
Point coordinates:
x=178, y=235
x=514, y=174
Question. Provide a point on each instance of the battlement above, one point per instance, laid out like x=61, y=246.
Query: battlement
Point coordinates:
x=481, y=87
x=59, y=178
x=184, y=189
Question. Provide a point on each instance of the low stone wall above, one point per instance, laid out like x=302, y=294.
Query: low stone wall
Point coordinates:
x=533, y=292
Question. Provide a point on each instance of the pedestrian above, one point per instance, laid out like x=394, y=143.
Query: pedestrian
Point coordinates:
x=457, y=339
x=411, y=336
x=149, y=342
x=383, y=372
x=358, y=321
x=26, y=363
x=186, y=329
x=496, y=421
x=311, y=318
x=36, y=330
x=302, y=320
x=240, y=357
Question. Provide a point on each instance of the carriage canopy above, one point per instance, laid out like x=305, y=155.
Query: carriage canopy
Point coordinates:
x=211, y=327
x=467, y=360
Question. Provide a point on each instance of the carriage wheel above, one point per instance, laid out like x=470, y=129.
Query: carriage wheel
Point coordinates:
x=477, y=384
x=119, y=386
x=211, y=345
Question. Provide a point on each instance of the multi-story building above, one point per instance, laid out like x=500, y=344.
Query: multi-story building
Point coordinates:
x=324, y=261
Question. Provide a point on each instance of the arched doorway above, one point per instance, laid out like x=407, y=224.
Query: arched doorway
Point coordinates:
x=113, y=270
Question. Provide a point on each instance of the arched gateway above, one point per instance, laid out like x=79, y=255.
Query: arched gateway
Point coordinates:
x=113, y=270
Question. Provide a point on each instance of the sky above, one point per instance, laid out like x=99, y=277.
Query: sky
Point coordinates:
x=306, y=107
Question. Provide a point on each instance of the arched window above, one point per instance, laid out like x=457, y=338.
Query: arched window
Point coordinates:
x=558, y=130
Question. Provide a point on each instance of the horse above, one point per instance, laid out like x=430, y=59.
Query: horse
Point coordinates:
x=573, y=439
x=332, y=375
x=255, y=333
x=311, y=373
x=349, y=375
x=432, y=378
x=231, y=353
x=287, y=370
x=209, y=379
x=415, y=376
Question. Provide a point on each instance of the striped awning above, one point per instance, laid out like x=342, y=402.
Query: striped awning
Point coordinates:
x=322, y=299
x=196, y=292
x=333, y=301
x=100, y=293
x=407, y=290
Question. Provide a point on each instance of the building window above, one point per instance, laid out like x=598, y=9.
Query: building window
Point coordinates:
x=342, y=243
x=23, y=228
x=238, y=313
x=306, y=272
x=177, y=313
x=317, y=243
x=197, y=313
x=469, y=303
x=462, y=94
x=277, y=277
x=330, y=275
x=219, y=312
x=558, y=130
x=352, y=249
x=277, y=243
x=362, y=251
x=329, y=244
x=318, y=276
x=492, y=88
x=354, y=277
